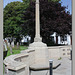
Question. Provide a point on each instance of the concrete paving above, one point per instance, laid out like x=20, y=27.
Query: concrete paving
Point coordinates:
x=64, y=69
x=41, y=66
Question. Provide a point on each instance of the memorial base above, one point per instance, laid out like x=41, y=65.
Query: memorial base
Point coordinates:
x=41, y=52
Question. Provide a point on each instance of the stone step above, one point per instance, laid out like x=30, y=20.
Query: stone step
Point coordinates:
x=41, y=66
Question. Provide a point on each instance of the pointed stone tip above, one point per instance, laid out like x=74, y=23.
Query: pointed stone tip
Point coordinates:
x=37, y=1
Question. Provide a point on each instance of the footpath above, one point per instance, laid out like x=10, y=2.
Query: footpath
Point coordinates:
x=64, y=69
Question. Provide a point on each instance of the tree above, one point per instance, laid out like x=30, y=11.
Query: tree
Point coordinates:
x=54, y=0
x=53, y=18
x=12, y=19
x=28, y=1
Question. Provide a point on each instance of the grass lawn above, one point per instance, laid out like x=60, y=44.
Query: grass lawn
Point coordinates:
x=16, y=50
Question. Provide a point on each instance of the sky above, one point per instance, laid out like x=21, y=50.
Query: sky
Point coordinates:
x=64, y=3
x=69, y=3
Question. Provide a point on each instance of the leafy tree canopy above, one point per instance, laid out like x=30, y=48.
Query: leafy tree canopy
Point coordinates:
x=19, y=18
x=12, y=19
x=28, y=1
x=53, y=18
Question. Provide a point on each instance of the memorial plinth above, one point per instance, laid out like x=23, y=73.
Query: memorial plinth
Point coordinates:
x=41, y=52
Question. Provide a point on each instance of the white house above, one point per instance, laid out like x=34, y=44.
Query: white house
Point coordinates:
x=67, y=39
x=25, y=39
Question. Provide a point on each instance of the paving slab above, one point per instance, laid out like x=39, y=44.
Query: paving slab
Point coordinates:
x=46, y=66
x=64, y=69
x=39, y=72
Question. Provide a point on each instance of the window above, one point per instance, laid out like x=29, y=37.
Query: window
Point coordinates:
x=65, y=38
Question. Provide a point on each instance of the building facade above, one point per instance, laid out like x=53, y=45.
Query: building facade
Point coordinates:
x=66, y=39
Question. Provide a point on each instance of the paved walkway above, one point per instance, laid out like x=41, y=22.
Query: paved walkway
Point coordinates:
x=63, y=69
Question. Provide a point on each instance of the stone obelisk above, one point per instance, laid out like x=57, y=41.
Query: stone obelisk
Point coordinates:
x=37, y=34
x=41, y=50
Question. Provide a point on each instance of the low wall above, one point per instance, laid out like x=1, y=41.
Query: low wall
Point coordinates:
x=59, y=51
x=18, y=64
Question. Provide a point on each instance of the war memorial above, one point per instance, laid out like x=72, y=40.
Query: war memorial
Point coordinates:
x=37, y=56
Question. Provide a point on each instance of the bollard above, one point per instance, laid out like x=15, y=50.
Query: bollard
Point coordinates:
x=71, y=54
x=51, y=67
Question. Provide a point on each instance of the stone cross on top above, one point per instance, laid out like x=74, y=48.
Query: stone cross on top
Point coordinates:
x=37, y=35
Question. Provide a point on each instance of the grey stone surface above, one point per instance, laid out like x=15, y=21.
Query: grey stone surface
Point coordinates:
x=37, y=32
x=39, y=72
x=45, y=66
x=63, y=69
x=41, y=52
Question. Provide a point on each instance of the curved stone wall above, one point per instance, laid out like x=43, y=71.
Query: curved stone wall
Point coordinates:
x=19, y=64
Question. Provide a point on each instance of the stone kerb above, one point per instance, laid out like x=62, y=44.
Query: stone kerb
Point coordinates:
x=19, y=64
